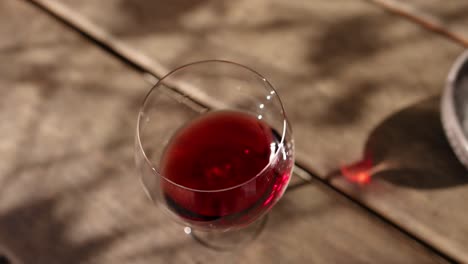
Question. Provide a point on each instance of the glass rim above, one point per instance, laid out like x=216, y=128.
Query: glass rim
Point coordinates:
x=161, y=81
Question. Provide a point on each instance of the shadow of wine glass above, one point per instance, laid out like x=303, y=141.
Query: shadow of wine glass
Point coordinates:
x=410, y=149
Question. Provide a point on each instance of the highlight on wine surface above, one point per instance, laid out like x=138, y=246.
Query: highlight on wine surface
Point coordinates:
x=213, y=145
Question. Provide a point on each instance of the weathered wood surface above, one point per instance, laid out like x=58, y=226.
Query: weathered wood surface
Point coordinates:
x=453, y=14
x=68, y=190
x=443, y=18
x=353, y=78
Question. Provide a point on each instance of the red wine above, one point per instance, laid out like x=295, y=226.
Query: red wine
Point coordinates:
x=222, y=166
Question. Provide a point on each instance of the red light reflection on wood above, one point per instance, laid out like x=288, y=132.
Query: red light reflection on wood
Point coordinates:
x=359, y=172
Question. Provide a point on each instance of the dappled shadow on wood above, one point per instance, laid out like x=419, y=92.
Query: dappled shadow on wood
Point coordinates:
x=346, y=41
x=453, y=13
x=147, y=17
x=410, y=149
x=346, y=107
x=36, y=232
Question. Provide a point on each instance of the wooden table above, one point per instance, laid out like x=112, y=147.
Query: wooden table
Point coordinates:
x=355, y=76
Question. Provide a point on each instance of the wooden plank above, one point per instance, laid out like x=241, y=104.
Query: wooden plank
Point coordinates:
x=451, y=13
x=70, y=193
x=444, y=19
x=344, y=70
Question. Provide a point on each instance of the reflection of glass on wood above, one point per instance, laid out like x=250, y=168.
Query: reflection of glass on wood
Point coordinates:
x=358, y=172
x=361, y=172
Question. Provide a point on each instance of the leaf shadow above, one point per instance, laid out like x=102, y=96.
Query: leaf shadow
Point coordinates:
x=347, y=40
x=35, y=232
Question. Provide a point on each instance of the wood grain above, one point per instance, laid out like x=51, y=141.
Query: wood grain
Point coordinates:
x=346, y=71
x=69, y=191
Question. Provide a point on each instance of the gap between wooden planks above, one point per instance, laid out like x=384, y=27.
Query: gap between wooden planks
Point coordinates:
x=423, y=19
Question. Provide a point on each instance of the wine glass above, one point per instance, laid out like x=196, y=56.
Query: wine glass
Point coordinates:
x=214, y=149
